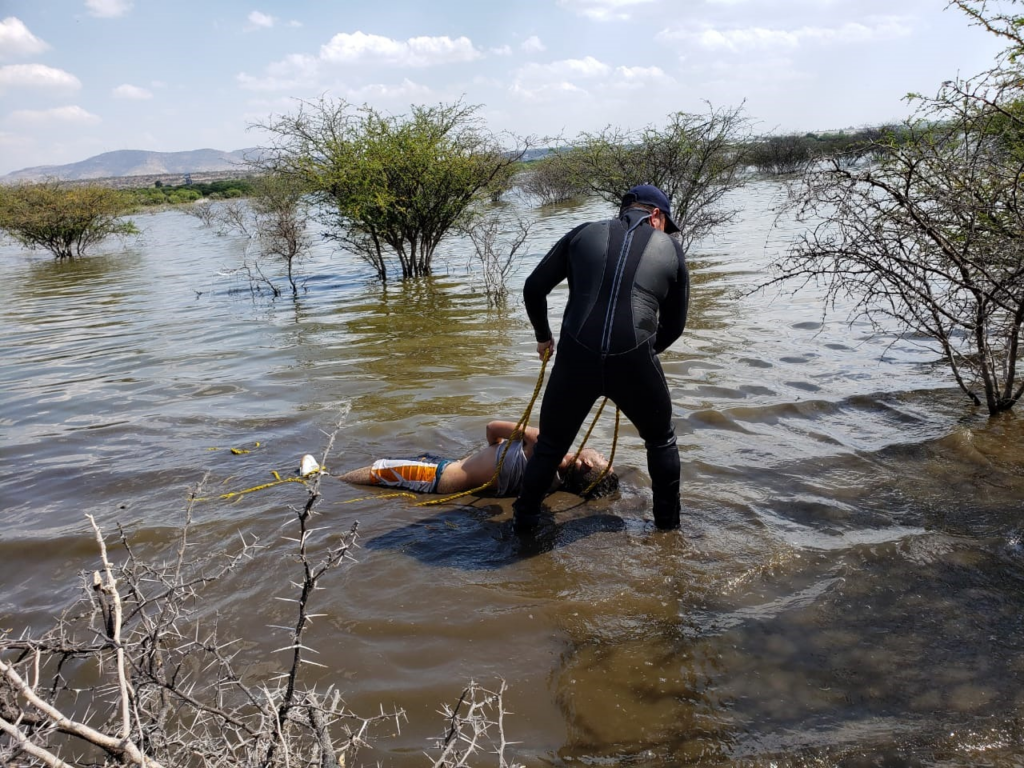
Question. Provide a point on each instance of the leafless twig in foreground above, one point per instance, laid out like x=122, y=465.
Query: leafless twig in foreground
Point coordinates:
x=475, y=723
x=131, y=675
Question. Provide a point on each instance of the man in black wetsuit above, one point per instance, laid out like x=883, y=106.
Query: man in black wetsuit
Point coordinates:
x=629, y=292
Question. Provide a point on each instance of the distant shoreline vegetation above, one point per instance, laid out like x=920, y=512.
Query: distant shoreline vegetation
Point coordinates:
x=181, y=194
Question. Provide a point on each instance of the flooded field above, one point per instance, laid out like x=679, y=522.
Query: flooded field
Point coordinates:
x=847, y=587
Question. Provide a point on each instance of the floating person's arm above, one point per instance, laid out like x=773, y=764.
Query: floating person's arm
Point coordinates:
x=497, y=431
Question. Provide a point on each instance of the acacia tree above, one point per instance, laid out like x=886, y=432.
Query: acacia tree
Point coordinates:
x=554, y=179
x=392, y=187
x=65, y=219
x=497, y=241
x=930, y=239
x=696, y=159
x=781, y=155
x=281, y=209
x=275, y=218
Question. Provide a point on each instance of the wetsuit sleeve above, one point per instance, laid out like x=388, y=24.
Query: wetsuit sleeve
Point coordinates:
x=549, y=272
x=672, y=317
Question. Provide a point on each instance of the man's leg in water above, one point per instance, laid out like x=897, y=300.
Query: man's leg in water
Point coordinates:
x=571, y=391
x=637, y=385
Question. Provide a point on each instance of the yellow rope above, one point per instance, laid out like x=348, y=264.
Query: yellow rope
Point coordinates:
x=592, y=425
x=517, y=432
x=615, y=441
x=608, y=466
x=278, y=480
x=238, y=451
x=394, y=495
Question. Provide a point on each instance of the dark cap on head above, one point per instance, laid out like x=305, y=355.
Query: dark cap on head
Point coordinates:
x=648, y=194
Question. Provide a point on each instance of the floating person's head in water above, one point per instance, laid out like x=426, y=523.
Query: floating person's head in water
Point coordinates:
x=588, y=470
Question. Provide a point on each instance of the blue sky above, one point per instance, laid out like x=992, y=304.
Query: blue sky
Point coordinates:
x=81, y=77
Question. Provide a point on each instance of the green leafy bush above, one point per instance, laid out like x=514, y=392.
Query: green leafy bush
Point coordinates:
x=64, y=219
x=393, y=187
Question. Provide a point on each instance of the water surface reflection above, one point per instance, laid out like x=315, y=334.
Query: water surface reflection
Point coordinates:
x=846, y=590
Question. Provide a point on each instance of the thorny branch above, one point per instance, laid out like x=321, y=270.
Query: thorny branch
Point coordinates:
x=476, y=720
x=164, y=688
x=135, y=674
x=926, y=240
x=496, y=241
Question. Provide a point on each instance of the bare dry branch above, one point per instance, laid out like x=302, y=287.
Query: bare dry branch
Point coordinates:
x=475, y=722
x=134, y=674
x=928, y=241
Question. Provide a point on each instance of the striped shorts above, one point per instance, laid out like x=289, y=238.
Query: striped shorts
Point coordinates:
x=419, y=475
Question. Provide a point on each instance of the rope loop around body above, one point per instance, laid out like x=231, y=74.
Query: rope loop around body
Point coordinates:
x=518, y=431
x=611, y=458
x=615, y=441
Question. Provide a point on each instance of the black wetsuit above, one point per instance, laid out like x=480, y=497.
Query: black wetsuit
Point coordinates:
x=629, y=292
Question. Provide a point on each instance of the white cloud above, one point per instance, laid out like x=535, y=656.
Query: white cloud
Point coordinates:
x=294, y=24
x=764, y=38
x=37, y=76
x=533, y=44
x=636, y=81
x=546, y=82
x=415, y=52
x=482, y=81
x=642, y=74
x=134, y=92
x=352, y=47
x=585, y=67
x=736, y=79
x=108, y=9
x=505, y=50
x=602, y=10
x=16, y=40
x=546, y=91
x=405, y=91
x=70, y=114
x=259, y=20
x=303, y=72
x=296, y=65
x=294, y=71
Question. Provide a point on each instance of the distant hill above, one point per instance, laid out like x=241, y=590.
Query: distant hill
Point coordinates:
x=145, y=167
x=137, y=162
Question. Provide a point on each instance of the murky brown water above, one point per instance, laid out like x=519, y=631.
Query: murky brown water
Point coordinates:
x=847, y=588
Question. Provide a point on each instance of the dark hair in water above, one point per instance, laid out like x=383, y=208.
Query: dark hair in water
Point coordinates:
x=578, y=479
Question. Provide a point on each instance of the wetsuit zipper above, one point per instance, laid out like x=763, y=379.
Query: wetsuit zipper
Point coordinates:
x=620, y=267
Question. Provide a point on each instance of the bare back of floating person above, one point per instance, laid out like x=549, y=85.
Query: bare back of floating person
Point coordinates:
x=428, y=473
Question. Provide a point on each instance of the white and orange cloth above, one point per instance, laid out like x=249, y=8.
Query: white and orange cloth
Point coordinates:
x=419, y=475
